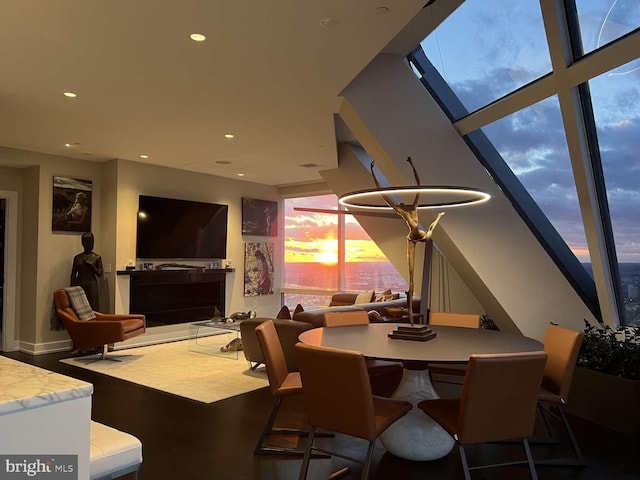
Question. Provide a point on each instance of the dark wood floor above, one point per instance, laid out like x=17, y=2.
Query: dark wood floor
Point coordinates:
x=186, y=439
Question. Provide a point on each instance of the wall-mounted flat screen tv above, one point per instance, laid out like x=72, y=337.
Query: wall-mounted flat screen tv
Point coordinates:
x=180, y=229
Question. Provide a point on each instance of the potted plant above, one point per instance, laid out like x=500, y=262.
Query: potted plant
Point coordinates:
x=606, y=382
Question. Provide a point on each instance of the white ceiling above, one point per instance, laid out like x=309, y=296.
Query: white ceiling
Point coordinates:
x=268, y=73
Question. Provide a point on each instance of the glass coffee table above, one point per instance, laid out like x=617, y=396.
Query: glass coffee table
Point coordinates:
x=214, y=337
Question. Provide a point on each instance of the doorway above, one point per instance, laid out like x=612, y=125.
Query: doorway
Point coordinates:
x=8, y=269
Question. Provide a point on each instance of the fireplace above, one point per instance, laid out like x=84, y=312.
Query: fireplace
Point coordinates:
x=168, y=297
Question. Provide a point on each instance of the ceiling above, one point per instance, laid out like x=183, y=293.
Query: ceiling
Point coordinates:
x=269, y=72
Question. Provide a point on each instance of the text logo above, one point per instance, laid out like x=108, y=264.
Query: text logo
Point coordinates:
x=50, y=467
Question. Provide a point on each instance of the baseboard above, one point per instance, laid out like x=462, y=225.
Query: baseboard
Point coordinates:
x=42, y=348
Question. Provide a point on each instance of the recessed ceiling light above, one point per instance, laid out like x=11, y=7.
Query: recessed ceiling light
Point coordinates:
x=70, y=94
x=71, y=145
x=229, y=135
x=223, y=162
x=197, y=37
x=144, y=156
x=241, y=174
x=382, y=10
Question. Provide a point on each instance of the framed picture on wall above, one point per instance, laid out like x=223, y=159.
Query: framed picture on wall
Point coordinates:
x=259, y=217
x=258, y=268
x=71, y=205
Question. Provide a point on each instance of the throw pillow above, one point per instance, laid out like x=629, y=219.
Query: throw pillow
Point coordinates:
x=384, y=296
x=364, y=297
x=284, y=313
x=298, y=309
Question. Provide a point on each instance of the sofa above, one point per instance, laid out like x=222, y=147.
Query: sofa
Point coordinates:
x=344, y=301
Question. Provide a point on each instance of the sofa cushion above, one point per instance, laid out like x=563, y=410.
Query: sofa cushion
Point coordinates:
x=284, y=313
x=364, y=297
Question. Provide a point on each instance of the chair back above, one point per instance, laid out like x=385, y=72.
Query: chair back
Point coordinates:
x=64, y=309
x=272, y=354
x=340, y=319
x=499, y=396
x=336, y=390
x=562, y=346
x=454, y=319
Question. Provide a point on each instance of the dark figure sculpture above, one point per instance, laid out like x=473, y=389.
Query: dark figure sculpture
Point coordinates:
x=87, y=268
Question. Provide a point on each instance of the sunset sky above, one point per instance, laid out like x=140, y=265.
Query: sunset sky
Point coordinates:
x=312, y=237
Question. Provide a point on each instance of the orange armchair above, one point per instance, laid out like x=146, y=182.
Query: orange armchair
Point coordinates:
x=101, y=330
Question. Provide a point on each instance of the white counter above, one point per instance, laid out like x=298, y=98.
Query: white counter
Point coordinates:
x=44, y=413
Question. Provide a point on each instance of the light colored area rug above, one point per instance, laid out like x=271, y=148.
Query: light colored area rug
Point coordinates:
x=172, y=368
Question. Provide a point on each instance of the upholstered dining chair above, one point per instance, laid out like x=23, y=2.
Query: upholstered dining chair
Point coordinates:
x=454, y=319
x=498, y=403
x=282, y=384
x=89, y=329
x=451, y=370
x=337, y=397
x=562, y=347
x=385, y=376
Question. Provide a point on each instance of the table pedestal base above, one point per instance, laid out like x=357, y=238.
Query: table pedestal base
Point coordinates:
x=416, y=436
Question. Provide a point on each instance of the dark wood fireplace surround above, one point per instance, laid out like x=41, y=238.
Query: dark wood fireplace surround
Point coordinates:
x=169, y=297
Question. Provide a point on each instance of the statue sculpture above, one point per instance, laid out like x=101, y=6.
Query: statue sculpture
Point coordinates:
x=86, y=269
x=409, y=212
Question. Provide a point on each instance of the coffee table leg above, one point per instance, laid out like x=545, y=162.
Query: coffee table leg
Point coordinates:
x=416, y=436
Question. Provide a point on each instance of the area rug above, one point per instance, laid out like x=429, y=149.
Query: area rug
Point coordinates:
x=172, y=368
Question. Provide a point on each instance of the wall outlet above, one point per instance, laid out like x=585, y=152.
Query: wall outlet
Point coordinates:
x=107, y=268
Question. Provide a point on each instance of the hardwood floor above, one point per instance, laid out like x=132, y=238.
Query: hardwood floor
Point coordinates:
x=186, y=439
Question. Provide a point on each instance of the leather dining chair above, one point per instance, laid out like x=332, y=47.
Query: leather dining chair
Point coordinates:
x=498, y=403
x=88, y=329
x=385, y=376
x=562, y=347
x=454, y=319
x=337, y=397
x=447, y=371
x=282, y=384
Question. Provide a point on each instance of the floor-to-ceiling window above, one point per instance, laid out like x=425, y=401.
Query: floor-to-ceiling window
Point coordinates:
x=327, y=251
x=551, y=90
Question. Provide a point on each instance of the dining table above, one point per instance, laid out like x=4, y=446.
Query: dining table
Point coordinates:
x=416, y=436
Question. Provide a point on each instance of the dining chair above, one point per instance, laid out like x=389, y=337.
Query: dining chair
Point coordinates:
x=451, y=371
x=337, y=397
x=454, y=319
x=562, y=347
x=384, y=376
x=282, y=384
x=498, y=403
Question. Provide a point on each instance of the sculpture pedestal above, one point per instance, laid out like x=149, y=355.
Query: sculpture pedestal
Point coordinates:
x=416, y=436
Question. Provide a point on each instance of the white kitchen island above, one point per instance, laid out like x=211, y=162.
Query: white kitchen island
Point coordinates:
x=44, y=413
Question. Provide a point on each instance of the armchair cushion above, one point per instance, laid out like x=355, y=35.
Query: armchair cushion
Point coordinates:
x=79, y=303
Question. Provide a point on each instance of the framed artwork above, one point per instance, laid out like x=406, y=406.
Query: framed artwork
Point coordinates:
x=71, y=205
x=259, y=217
x=258, y=268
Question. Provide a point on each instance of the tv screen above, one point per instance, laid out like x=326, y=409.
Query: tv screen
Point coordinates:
x=180, y=229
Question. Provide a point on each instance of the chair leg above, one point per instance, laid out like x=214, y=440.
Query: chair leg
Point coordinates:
x=465, y=464
x=578, y=459
x=532, y=466
x=367, y=461
x=268, y=429
x=307, y=455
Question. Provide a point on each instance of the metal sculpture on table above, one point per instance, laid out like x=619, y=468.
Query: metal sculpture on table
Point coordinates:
x=440, y=196
x=409, y=212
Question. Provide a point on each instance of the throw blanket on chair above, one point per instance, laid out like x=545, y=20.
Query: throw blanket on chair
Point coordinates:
x=79, y=303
